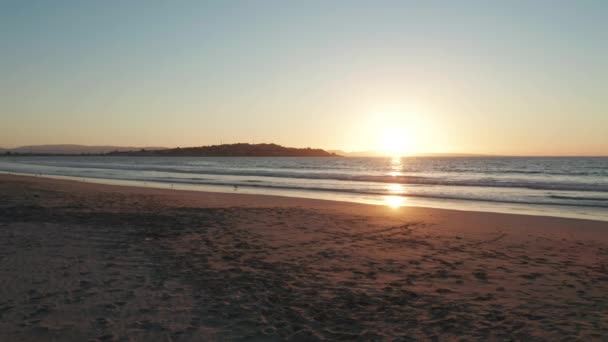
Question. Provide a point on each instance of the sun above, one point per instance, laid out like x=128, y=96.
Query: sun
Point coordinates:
x=395, y=142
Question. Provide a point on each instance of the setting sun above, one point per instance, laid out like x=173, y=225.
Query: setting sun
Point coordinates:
x=395, y=142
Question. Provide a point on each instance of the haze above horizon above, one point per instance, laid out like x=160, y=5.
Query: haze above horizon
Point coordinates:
x=480, y=77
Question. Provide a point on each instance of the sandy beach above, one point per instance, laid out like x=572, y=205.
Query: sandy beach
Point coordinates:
x=82, y=261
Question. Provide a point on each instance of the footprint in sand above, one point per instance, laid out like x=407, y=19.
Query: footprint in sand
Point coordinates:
x=481, y=275
x=531, y=276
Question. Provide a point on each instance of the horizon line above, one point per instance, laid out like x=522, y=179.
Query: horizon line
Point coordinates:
x=333, y=150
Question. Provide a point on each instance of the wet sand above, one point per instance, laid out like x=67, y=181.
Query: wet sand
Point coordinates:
x=81, y=261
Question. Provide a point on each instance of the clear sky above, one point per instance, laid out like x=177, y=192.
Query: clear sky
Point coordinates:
x=498, y=77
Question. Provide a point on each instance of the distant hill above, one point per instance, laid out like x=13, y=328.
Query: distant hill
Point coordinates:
x=71, y=149
x=225, y=150
x=232, y=150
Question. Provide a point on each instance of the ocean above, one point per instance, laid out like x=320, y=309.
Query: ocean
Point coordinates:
x=552, y=186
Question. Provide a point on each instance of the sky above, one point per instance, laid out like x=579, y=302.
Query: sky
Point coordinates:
x=490, y=77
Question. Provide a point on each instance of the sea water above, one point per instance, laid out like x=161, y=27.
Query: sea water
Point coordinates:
x=553, y=186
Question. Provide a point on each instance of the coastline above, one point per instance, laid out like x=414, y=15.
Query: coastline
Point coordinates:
x=182, y=197
x=91, y=261
x=516, y=208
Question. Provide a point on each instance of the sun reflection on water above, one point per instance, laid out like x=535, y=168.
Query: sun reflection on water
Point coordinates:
x=396, y=166
x=396, y=188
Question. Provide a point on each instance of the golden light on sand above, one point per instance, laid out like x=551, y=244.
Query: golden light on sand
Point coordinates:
x=394, y=142
x=394, y=201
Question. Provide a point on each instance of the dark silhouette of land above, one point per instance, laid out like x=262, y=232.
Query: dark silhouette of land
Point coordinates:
x=231, y=150
x=225, y=150
x=70, y=149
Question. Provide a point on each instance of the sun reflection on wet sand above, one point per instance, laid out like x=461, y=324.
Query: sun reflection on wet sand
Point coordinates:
x=394, y=201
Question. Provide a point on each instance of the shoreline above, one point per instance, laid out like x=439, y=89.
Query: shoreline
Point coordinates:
x=85, y=261
x=514, y=208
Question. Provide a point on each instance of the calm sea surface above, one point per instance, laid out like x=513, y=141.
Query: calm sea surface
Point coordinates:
x=571, y=187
